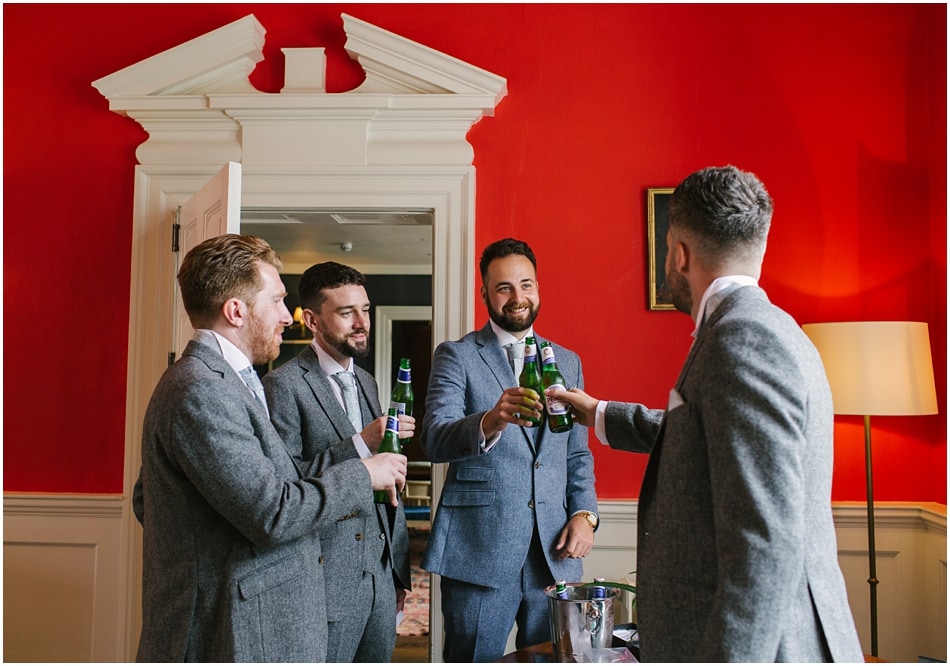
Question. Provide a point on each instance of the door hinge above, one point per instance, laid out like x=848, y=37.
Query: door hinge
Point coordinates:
x=176, y=229
x=171, y=359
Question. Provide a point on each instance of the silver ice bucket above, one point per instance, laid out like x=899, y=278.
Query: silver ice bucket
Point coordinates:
x=580, y=621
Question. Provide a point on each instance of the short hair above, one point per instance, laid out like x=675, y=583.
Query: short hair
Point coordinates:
x=327, y=275
x=219, y=269
x=503, y=248
x=727, y=212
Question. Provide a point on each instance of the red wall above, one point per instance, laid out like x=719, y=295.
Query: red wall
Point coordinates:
x=840, y=109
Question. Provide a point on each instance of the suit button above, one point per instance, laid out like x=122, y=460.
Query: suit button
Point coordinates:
x=537, y=465
x=382, y=537
x=320, y=560
x=359, y=537
x=530, y=504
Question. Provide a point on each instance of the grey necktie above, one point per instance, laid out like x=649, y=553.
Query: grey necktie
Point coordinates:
x=347, y=382
x=249, y=375
x=516, y=356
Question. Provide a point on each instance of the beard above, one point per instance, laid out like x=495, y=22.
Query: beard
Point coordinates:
x=512, y=324
x=344, y=346
x=676, y=288
x=264, y=346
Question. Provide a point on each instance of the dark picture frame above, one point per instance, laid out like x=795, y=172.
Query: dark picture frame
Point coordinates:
x=658, y=223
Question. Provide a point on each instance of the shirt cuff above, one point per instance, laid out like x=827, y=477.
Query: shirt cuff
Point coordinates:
x=600, y=429
x=486, y=444
x=361, y=447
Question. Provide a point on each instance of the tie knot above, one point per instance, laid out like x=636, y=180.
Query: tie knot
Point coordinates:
x=346, y=379
x=249, y=375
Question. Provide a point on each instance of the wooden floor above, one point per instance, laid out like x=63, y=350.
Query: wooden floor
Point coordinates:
x=411, y=650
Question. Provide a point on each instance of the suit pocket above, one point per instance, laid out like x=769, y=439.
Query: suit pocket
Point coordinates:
x=269, y=577
x=467, y=497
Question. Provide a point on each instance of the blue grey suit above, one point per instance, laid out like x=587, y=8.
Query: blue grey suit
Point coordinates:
x=366, y=556
x=232, y=565
x=501, y=512
x=737, y=554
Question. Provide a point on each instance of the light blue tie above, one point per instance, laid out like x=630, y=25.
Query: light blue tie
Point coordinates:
x=347, y=382
x=249, y=375
x=516, y=357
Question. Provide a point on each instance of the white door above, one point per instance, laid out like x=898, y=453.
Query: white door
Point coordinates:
x=214, y=210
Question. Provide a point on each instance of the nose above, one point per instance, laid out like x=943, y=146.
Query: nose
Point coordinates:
x=362, y=320
x=285, y=317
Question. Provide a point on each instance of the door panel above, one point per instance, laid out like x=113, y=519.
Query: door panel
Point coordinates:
x=214, y=210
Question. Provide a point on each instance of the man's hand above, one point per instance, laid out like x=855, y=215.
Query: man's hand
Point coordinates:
x=373, y=433
x=583, y=406
x=577, y=538
x=387, y=472
x=513, y=405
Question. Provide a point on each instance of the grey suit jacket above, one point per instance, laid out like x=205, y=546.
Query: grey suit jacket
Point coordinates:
x=737, y=554
x=312, y=422
x=232, y=564
x=491, y=502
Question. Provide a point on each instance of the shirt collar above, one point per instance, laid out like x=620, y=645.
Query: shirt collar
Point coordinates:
x=232, y=355
x=710, y=302
x=504, y=337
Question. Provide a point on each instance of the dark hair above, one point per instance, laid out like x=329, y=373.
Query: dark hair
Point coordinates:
x=219, y=269
x=727, y=211
x=328, y=275
x=504, y=248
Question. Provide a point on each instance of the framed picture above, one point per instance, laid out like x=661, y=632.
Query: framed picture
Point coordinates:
x=658, y=222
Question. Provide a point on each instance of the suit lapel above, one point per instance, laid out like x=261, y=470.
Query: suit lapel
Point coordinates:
x=326, y=399
x=496, y=359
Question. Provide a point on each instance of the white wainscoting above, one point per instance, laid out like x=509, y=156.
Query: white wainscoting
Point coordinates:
x=65, y=573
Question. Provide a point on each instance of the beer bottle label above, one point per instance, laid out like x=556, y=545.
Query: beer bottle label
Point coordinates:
x=556, y=407
x=400, y=408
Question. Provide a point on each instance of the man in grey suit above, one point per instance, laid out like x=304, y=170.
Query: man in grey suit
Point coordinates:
x=518, y=509
x=736, y=553
x=232, y=566
x=366, y=555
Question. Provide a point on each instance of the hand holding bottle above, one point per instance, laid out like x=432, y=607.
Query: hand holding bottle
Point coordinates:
x=514, y=406
x=583, y=406
x=387, y=472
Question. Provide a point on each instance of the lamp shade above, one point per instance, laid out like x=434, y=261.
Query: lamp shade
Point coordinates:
x=877, y=368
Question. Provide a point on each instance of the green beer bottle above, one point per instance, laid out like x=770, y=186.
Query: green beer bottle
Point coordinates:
x=531, y=376
x=390, y=444
x=402, y=392
x=559, y=414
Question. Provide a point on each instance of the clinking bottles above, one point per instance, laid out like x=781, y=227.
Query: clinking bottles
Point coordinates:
x=531, y=376
x=390, y=444
x=402, y=397
x=559, y=414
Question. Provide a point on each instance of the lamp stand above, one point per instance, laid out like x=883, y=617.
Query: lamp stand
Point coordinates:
x=872, y=552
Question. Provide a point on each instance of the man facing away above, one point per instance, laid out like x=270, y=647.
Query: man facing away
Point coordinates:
x=518, y=509
x=736, y=553
x=232, y=565
x=366, y=555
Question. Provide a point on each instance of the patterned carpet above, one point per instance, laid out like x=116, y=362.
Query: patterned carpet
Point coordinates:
x=416, y=621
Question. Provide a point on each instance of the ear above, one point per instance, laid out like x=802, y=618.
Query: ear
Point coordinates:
x=682, y=256
x=310, y=319
x=484, y=293
x=235, y=311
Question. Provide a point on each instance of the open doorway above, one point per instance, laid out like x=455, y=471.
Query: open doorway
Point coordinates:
x=393, y=249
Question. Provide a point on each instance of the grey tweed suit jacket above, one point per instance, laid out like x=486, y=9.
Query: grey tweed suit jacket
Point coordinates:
x=491, y=502
x=312, y=421
x=232, y=565
x=737, y=554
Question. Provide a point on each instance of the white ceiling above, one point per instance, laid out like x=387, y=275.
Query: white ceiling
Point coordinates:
x=381, y=242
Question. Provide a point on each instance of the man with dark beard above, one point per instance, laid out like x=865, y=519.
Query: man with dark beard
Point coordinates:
x=518, y=509
x=231, y=551
x=366, y=555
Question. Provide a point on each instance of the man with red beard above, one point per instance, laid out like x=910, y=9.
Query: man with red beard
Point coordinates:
x=232, y=566
x=367, y=553
x=518, y=509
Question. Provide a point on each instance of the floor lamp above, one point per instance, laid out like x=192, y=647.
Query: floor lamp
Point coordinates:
x=876, y=368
